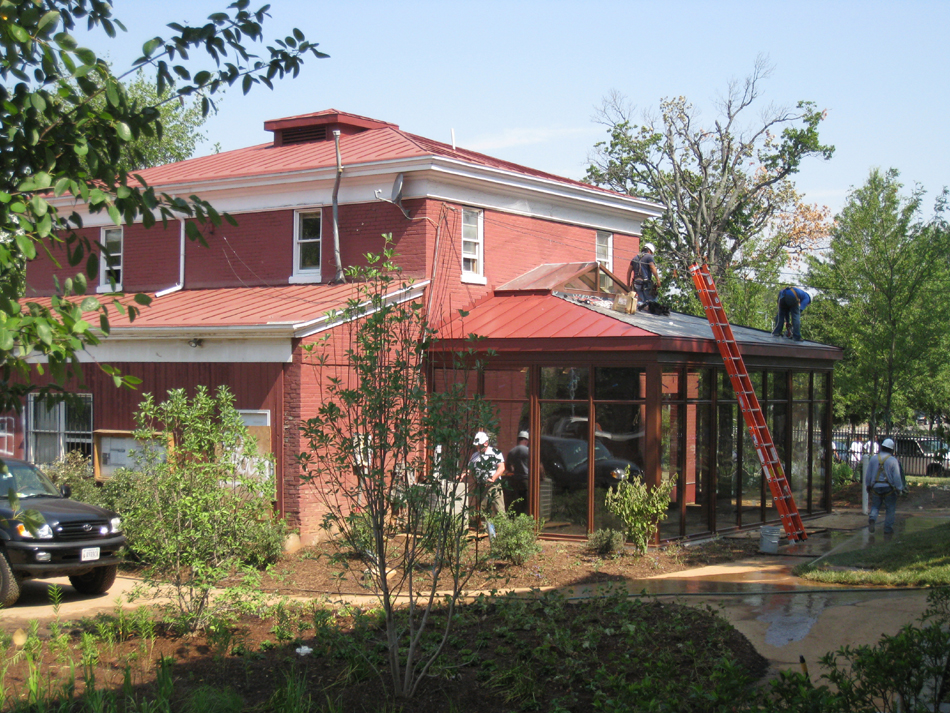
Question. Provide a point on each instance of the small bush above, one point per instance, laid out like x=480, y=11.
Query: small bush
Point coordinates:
x=640, y=509
x=606, y=542
x=516, y=538
x=75, y=470
x=841, y=475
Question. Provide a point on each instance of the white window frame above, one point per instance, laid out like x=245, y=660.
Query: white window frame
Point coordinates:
x=104, y=267
x=476, y=276
x=7, y=435
x=62, y=435
x=604, y=254
x=300, y=275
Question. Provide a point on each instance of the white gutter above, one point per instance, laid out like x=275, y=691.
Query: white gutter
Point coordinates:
x=327, y=321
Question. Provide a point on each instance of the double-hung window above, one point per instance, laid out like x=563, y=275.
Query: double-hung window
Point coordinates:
x=110, y=265
x=7, y=434
x=473, y=246
x=308, y=232
x=56, y=428
x=605, y=254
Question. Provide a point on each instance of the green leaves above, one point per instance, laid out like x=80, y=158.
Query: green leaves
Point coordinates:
x=70, y=126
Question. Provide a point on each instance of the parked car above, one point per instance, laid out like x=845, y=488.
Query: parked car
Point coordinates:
x=76, y=540
x=565, y=460
x=922, y=455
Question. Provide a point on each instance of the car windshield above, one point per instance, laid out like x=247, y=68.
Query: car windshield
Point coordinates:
x=26, y=481
x=574, y=452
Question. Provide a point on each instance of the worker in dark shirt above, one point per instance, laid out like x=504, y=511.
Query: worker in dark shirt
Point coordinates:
x=792, y=301
x=516, y=472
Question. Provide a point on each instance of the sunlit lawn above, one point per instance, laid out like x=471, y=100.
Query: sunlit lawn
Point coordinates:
x=920, y=558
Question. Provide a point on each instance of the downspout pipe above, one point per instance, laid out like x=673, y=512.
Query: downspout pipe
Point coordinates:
x=336, y=211
x=181, y=264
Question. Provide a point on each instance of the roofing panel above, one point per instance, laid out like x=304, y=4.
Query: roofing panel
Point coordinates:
x=374, y=145
x=235, y=307
x=534, y=316
x=526, y=316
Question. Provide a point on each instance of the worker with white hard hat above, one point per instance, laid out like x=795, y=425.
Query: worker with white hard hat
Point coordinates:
x=884, y=482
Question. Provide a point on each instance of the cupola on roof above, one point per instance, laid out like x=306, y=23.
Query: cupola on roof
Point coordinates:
x=320, y=126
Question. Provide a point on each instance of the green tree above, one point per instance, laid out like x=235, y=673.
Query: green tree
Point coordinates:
x=59, y=137
x=387, y=459
x=725, y=187
x=882, y=288
x=181, y=122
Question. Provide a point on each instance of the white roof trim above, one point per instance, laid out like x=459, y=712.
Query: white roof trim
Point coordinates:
x=322, y=324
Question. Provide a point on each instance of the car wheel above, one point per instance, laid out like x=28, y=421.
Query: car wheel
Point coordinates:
x=9, y=583
x=934, y=470
x=95, y=582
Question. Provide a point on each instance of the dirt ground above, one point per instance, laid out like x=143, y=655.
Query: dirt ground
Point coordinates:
x=311, y=571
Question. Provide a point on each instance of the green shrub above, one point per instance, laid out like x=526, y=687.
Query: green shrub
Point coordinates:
x=75, y=470
x=201, y=510
x=841, y=475
x=516, y=538
x=640, y=509
x=606, y=541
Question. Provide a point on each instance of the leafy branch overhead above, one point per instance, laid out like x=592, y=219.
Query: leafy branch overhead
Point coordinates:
x=724, y=185
x=69, y=128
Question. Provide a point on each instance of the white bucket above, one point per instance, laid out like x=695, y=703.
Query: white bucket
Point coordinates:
x=769, y=539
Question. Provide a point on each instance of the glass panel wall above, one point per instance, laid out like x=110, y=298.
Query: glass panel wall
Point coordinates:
x=671, y=466
x=508, y=390
x=619, y=444
x=565, y=455
x=729, y=429
x=592, y=431
x=818, y=501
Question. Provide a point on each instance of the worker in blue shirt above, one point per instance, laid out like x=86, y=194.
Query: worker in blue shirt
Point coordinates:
x=792, y=301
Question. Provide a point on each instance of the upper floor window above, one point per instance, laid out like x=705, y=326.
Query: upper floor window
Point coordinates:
x=605, y=254
x=110, y=265
x=308, y=231
x=473, y=246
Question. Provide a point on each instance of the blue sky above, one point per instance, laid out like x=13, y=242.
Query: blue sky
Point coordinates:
x=521, y=80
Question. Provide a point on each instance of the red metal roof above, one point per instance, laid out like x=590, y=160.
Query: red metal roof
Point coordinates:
x=533, y=316
x=233, y=307
x=388, y=142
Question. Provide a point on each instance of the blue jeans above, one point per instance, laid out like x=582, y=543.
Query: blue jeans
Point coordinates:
x=644, y=290
x=785, y=314
x=890, y=508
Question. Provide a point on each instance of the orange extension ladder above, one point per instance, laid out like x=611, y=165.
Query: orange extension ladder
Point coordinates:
x=749, y=403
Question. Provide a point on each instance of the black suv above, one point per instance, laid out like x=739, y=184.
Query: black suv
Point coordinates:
x=77, y=540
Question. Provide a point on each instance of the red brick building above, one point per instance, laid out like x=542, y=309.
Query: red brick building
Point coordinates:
x=238, y=311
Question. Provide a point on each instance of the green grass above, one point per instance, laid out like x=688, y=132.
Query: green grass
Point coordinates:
x=919, y=558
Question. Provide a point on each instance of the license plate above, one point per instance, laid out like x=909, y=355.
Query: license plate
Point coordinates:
x=89, y=554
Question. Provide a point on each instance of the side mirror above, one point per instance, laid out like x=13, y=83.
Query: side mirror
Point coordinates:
x=66, y=490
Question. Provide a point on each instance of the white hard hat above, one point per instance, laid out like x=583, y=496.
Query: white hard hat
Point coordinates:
x=481, y=438
x=649, y=246
x=888, y=444
x=522, y=434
